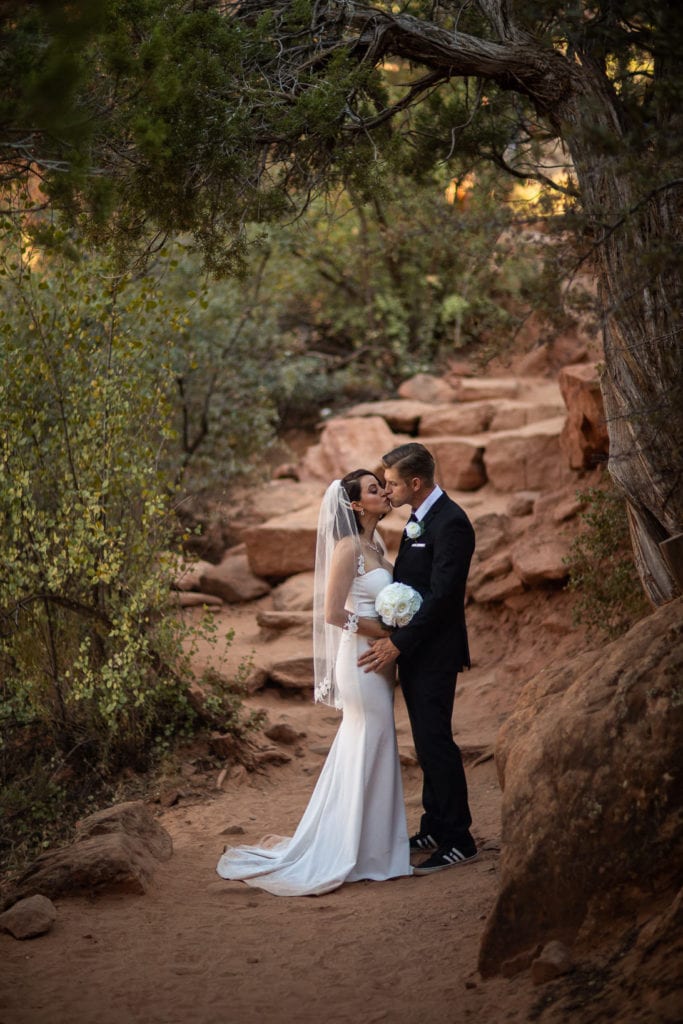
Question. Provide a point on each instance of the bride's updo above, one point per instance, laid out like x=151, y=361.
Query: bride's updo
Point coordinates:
x=351, y=484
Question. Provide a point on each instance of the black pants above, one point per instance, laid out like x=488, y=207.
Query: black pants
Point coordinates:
x=429, y=699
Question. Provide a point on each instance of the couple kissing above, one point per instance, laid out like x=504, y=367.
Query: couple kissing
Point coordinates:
x=369, y=619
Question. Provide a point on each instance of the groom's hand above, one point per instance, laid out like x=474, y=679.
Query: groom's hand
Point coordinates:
x=380, y=654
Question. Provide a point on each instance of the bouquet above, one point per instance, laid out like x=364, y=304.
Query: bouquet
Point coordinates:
x=397, y=603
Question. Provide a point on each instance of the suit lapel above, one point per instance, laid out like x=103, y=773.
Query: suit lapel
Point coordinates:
x=435, y=509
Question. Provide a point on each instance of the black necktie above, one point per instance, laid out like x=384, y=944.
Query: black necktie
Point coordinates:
x=412, y=518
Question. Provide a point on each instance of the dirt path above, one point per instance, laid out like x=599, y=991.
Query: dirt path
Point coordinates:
x=199, y=950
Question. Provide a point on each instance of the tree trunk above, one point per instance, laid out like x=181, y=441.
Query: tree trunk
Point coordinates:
x=640, y=291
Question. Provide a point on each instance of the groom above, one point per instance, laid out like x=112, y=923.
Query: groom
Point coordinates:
x=434, y=558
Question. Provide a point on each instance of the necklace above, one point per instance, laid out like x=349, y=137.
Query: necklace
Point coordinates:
x=375, y=548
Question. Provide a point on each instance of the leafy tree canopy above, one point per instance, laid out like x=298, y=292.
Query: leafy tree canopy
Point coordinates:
x=202, y=117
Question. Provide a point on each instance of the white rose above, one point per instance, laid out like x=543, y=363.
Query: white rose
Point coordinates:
x=414, y=530
x=397, y=603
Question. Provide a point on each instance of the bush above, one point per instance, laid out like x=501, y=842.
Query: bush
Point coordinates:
x=93, y=674
x=602, y=573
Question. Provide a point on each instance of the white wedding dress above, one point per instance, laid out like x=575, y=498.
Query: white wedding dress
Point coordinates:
x=354, y=826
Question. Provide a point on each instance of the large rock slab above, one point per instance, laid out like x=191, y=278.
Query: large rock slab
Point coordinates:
x=589, y=762
x=528, y=459
x=510, y=415
x=283, y=546
x=232, y=580
x=345, y=445
x=293, y=673
x=459, y=462
x=132, y=818
x=401, y=414
x=116, y=850
x=470, y=418
x=539, y=558
x=425, y=387
x=584, y=439
x=295, y=594
x=477, y=389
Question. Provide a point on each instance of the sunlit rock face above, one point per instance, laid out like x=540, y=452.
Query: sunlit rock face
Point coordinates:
x=591, y=770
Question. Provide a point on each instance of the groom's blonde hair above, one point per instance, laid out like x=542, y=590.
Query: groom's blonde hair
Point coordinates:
x=411, y=460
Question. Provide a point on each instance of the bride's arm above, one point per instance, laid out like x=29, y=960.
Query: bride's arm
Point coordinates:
x=342, y=574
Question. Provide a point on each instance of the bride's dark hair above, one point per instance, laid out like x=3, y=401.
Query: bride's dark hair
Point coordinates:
x=351, y=484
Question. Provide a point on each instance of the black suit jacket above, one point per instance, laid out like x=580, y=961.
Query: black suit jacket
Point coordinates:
x=436, y=564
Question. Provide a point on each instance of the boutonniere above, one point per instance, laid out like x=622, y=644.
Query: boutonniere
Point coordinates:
x=414, y=530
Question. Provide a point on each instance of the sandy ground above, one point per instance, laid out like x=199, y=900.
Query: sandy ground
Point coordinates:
x=199, y=950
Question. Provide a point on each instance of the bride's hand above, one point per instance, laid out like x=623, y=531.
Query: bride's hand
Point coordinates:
x=379, y=656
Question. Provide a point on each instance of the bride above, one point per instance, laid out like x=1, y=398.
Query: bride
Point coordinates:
x=354, y=826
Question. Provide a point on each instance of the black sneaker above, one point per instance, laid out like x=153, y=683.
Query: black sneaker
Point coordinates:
x=446, y=857
x=422, y=842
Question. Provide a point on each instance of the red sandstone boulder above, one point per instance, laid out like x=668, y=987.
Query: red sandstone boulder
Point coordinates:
x=592, y=797
x=477, y=389
x=116, y=850
x=295, y=594
x=584, y=440
x=347, y=444
x=29, y=918
x=510, y=415
x=491, y=531
x=471, y=418
x=401, y=414
x=538, y=559
x=528, y=459
x=293, y=673
x=283, y=546
x=497, y=589
x=459, y=463
x=232, y=580
x=424, y=387
x=298, y=623
x=271, y=499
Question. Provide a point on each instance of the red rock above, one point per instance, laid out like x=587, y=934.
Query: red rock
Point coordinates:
x=528, y=459
x=284, y=546
x=190, y=599
x=188, y=574
x=299, y=623
x=232, y=580
x=477, y=389
x=521, y=504
x=459, y=464
x=132, y=818
x=553, y=961
x=295, y=594
x=29, y=918
x=424, y=387
x=490, y=531
x=282, y=732
x=293, y=673
x=471, y=418
x=401, y=414
x=538, y=560
x=510, y=415
x=499, y=589
x=584, y=440
x=347, y=444
x=103, y=863
x=589, y=792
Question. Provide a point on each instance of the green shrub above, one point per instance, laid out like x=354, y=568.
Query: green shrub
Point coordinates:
x=602, y=574
x=94, y=669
